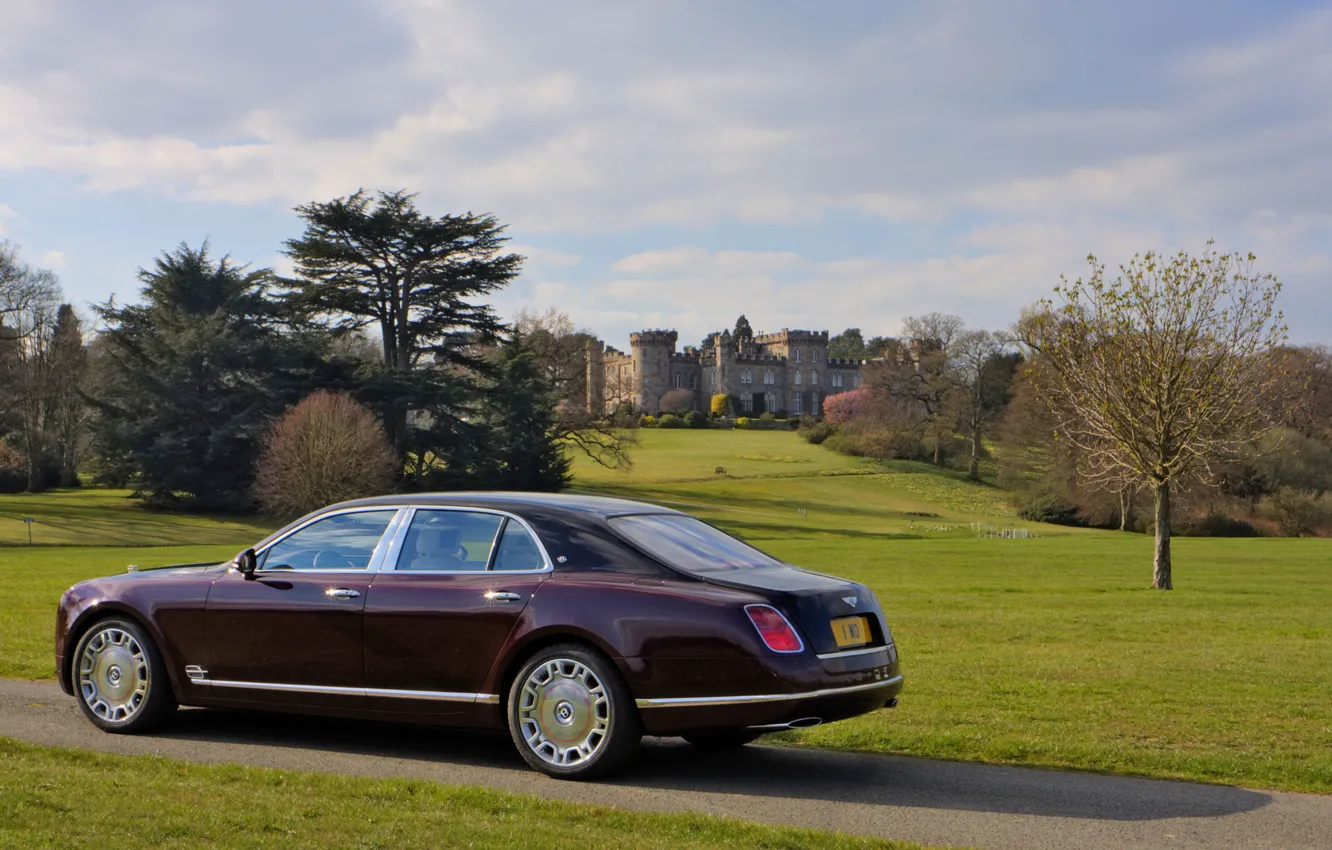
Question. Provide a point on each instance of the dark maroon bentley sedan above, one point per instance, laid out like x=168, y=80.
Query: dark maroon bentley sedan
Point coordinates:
x=578, y=623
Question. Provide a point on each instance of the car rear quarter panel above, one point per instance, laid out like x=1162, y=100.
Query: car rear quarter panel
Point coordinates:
x=169, y=606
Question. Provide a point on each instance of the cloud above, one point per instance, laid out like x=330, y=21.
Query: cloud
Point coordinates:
x=53, y=260
x=7, y=215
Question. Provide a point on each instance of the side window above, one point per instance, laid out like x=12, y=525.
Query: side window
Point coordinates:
x=448, y=541
x=517, y=550
x=339, y=542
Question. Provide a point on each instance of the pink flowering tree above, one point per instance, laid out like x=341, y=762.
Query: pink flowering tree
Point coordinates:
x=843, y=407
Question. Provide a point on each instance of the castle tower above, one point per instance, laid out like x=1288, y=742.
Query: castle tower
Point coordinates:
x=651, y=354
x=595, y=377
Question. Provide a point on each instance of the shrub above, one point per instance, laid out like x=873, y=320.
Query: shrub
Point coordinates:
x=694, y=419
x=721, y=405
x=624, y=415
x=647, y=421
x=670, y=420
x=744, y=422
x=1216, y=525
x=817, y=432
x=1051, y=509
x=680, y=401
x=13, y=470
x=326, y=449
x=845, y=406
x=767, y=416
x=1297, y=514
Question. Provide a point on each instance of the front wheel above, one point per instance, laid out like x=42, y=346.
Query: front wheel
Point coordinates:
x=722, y=739
x=120, y=679
x=571, y=715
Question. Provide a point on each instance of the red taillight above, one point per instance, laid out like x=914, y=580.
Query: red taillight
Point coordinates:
x=776, y=631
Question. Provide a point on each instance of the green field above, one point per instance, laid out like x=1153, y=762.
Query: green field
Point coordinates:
x=1047, y=651
x=59, y=798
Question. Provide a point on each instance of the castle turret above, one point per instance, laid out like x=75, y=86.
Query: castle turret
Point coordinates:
x=651, y=353
x=595, y=377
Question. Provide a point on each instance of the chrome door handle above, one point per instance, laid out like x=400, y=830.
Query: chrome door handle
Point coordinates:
x=341, y=593
x=502, y=596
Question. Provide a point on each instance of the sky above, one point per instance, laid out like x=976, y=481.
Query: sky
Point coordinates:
x=816, y=165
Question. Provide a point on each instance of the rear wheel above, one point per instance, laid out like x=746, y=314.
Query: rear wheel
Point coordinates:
x=722, y=739
x=119, y=678
x=570, y=714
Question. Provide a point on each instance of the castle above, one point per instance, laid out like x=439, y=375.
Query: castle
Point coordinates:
x=788, y=371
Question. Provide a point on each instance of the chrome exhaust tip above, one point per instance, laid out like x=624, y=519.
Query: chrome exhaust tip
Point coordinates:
x=799, y=723
x=892, y=703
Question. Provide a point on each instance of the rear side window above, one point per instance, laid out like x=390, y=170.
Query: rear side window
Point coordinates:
x=517, y=550
x=690, y=544
x=449, y=541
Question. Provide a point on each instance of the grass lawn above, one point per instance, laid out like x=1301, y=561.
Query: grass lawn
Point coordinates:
x=1049, y=651
x=60, y=798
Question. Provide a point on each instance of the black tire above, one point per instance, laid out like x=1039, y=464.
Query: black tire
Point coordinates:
x=570, y=694
x=722, y=739
x=114, y=657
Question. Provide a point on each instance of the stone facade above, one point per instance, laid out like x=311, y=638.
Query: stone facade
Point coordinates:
x=788, y=371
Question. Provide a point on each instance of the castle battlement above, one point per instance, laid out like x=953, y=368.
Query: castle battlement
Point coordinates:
x=844, y=361
x=654, y=337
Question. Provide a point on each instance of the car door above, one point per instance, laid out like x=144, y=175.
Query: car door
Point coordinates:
x=292, y=634
x=439, y=612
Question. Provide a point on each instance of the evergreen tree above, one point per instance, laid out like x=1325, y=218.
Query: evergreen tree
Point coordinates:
x=190, y=380
x=66, y=412
x=850, y=343
x=522, y=430
x=376, y=261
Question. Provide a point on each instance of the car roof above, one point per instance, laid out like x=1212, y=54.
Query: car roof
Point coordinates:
x=523, y=504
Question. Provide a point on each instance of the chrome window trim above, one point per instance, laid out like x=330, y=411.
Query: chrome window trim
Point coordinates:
x=691, y=702
x=852, y=652
x=389, y=565
x=393, y=693
x=376, y=557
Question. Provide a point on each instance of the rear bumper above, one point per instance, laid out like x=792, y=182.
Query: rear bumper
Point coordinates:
x=893, y=684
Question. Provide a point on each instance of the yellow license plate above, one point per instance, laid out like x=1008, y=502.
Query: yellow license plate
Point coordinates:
x=851, y=631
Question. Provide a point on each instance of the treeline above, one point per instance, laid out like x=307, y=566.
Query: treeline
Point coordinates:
x=178, y=394
x=972, y=400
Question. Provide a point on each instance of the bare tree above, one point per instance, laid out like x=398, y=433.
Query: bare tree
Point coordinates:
x=921, y=371
x=325, y=449
x=29, y=299
x=1160, y=374
x=560, y=350
x=982, y=375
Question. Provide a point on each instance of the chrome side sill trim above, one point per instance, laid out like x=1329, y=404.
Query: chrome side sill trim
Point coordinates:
x=688, y=702
x=853, y=652
x=391, y=693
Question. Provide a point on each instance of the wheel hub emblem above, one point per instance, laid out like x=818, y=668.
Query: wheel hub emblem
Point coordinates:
x=564, y=714
x=113, y=675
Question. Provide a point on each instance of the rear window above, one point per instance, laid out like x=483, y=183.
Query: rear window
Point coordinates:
x=690, y=544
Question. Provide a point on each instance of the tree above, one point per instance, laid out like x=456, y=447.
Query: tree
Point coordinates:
x=325, y=449
x=982, y=370
x=1158, y=375
x=922, y=372
x=560, y=352
x=28, y=308
x=189, y=380
x=523, y=431
x=378, y=262
x=848, y=345
x=677, y=400
x=66, y=412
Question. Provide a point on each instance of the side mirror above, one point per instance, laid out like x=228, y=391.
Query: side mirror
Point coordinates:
x=246, y=563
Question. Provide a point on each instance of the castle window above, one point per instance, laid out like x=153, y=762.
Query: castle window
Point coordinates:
x=679, y=380
x=814, y=356
x=837, y=379
x=770, y=402
x=797, y=378
x=797, y=355
x=693, y=382
x=770, y=377
x=746, y=377
x=799, y=403
x=813, y=377
x=747, y=402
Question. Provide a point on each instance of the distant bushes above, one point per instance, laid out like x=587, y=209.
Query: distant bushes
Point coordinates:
x=670, y=420
x=1049, y=508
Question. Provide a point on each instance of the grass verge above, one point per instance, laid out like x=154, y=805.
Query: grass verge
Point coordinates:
x=61, y=798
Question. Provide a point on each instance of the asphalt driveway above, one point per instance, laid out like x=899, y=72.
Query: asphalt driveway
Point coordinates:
x=934, y=802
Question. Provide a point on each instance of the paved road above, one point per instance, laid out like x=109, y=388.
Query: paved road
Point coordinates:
x=934, y=802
